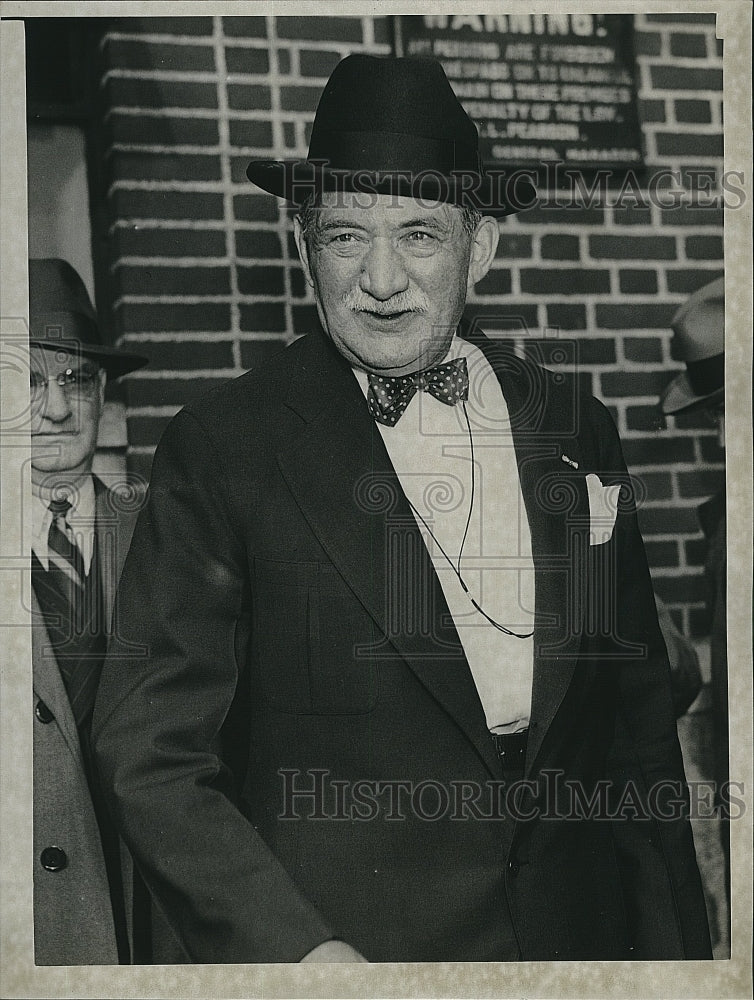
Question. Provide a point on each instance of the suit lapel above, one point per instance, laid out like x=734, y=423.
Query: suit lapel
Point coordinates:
x=114, y=526
x=339, y=464
x=544, y=426
x=341, y=476
x=47, y=681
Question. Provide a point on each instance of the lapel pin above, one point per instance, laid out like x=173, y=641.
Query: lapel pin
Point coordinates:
x=569, y=461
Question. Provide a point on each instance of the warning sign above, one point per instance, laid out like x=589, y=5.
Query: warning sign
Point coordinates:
x=541, y=87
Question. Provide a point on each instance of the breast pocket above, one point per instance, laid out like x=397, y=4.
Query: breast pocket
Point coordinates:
x=311, y=640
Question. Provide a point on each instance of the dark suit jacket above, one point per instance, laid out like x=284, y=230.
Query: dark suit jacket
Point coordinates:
x=293, y=623
x=73, y=918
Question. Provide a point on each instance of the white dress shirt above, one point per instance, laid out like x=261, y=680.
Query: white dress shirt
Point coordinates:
x=430, y=449
x=81, y=518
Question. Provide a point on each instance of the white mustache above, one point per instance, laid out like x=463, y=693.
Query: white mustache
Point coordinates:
x=358, y=301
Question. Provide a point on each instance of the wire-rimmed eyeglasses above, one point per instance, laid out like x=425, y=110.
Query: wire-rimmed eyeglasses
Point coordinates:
x=76, y=383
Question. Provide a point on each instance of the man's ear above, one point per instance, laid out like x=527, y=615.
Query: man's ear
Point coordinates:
x=483, y=248
x=303, y=249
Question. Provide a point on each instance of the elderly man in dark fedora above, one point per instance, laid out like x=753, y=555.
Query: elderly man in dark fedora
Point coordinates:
x=80, y=535
x=382, y=581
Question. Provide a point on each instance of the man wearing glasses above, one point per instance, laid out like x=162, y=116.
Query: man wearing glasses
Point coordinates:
x=80, y=534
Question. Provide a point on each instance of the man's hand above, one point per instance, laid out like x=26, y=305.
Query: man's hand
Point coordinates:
x=333, y=951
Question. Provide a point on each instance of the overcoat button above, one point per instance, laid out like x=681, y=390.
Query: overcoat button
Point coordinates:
x=43, y=713
x=514, y=867
x=54, y=859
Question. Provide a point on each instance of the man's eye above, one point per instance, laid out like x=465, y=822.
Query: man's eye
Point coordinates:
x=344, y=238
x=420, y=236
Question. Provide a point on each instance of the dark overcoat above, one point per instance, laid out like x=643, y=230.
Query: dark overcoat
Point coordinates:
x=299, y=666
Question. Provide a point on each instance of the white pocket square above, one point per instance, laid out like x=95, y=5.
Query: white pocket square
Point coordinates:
x=603, y=509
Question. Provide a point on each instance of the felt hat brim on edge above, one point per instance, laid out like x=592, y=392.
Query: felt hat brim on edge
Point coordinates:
x=679, y=397
x=114, y=362
x=394, y=126
x=494, y=192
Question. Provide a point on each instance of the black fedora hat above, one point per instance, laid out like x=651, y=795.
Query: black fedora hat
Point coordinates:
x=395, y=126
x=62, y=317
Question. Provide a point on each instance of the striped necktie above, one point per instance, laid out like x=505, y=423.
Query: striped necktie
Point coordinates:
x=61, y=545
x=74, y=599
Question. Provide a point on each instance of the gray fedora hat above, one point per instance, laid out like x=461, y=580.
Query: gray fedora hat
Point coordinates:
x=699, y=341
x=62, y=317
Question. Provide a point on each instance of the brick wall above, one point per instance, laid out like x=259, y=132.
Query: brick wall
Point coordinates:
x=206, y=276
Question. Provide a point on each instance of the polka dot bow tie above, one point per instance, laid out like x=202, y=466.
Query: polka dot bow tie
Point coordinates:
x=389, y=395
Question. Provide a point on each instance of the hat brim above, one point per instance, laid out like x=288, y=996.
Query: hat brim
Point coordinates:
x=679, y=397
x=496, y=192
x=114, y=362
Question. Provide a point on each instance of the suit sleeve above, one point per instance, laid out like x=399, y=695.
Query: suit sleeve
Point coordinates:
x=167, y=686
x=652, y=834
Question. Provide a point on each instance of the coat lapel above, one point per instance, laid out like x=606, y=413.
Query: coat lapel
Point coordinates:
x=114, y=525
x=339, y=464
x=114, y=528
x=47, y=681
x=544, y=421
x=341, y=476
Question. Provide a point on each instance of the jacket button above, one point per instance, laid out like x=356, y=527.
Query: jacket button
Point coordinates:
x=514, y=868
x=54, y=859
x=43, y=713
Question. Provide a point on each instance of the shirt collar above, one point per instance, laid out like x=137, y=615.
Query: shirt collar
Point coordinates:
x=459, y=348
x=455, y=350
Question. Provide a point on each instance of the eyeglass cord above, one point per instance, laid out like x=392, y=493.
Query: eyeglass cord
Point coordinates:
x=457, y=567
